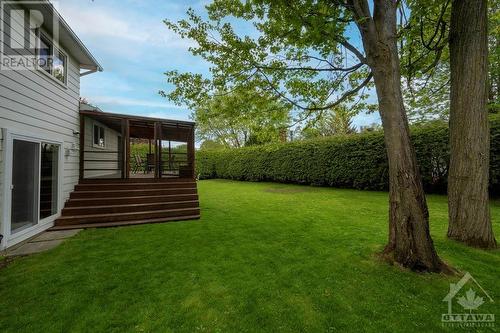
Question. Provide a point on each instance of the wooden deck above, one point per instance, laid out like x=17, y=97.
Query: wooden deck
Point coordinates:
x=116, y=202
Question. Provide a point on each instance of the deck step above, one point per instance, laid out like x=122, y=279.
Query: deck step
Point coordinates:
x=132, y=186
x=123, y=202
x=128, y=208
x=131, y=193
x=115, y=217
x=124, y=223
x=81, y=202
x=167, y=180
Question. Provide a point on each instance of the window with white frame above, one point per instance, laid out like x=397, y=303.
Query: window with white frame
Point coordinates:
x=51, y=59
x=99, y=136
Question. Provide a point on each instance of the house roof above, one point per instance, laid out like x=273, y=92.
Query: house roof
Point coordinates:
x=84, y=106
x=67, y=37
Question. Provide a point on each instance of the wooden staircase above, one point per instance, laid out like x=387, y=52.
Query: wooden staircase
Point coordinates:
x=108, y=203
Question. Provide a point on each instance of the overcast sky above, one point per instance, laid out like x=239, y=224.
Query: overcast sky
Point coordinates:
x=130, y=40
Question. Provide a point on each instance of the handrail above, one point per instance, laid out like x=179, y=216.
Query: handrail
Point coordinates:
x=103, y=151
x=115, y=161
x=95, y=169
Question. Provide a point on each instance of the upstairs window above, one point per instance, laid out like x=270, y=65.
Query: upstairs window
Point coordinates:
x=99, y=137
x=59, y=66
x=50, y=59
x=45, y=50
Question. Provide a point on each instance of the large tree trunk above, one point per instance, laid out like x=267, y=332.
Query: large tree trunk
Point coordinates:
x=409, y=236
x=468, y=202
x=410, y=243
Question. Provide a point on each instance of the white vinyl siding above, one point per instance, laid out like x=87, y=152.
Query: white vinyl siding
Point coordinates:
x=14, y=29
x=32, y=101
x=101, y=153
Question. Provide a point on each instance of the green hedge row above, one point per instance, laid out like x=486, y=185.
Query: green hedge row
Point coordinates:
x=356, y=161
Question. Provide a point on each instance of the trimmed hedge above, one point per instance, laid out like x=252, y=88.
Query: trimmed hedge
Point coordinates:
x=355, y=161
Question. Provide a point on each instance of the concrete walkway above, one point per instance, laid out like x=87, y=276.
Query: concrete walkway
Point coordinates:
x=43, y=242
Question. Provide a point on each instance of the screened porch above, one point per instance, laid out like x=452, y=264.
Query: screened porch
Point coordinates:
x=117, y=146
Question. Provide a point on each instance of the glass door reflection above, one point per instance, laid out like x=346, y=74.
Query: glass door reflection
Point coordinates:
x=25, y=172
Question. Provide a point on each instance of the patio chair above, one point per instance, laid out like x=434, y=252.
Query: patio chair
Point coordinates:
x=138, y=163
x=150, y=163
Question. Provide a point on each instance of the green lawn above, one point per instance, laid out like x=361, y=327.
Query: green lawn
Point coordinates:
x=263, y=258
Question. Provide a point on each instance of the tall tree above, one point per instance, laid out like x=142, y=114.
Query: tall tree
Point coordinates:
x=469, y=213
x=303, y=53
x=331, y=122
x=425, y=58
x=425, y=53
x=409, y=237
x=241, y=117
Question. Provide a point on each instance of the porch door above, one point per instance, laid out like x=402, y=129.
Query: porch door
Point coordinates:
x=25, y=184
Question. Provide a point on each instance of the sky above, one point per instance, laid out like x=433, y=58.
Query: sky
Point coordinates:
x=135, y=48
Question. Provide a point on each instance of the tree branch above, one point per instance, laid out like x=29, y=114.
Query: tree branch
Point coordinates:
x=341, y=99
x=440, y=24
x=312, y=69
x=354, y=50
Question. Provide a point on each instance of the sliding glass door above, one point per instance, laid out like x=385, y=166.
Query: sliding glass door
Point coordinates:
x=35, y=170
x=25, y=175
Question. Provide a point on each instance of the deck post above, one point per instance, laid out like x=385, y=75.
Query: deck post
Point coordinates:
x=156, y=149
x=82, y=147
x=126, y=150
x=169, y=155
x=191, y=152
x=160, y=163
x=123, y=149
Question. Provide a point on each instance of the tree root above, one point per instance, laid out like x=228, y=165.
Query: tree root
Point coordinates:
x=387, y=256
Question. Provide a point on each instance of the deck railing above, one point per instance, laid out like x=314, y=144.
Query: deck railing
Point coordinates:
x=171, y=165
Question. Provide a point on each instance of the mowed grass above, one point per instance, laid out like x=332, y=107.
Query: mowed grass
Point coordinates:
x=263, y=258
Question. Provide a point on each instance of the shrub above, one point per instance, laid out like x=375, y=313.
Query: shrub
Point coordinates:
x=354, y=161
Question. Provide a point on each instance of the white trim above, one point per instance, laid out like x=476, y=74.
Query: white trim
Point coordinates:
x=29, y=232
x=55, y=47
x=44, y=73
x=8, y=137
x=6, y=189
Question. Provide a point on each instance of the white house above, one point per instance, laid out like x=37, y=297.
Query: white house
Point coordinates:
x=65, y=164
x=39, y=116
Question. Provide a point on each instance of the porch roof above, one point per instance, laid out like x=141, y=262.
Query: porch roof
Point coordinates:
x=143, y=127
x=110, y=115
